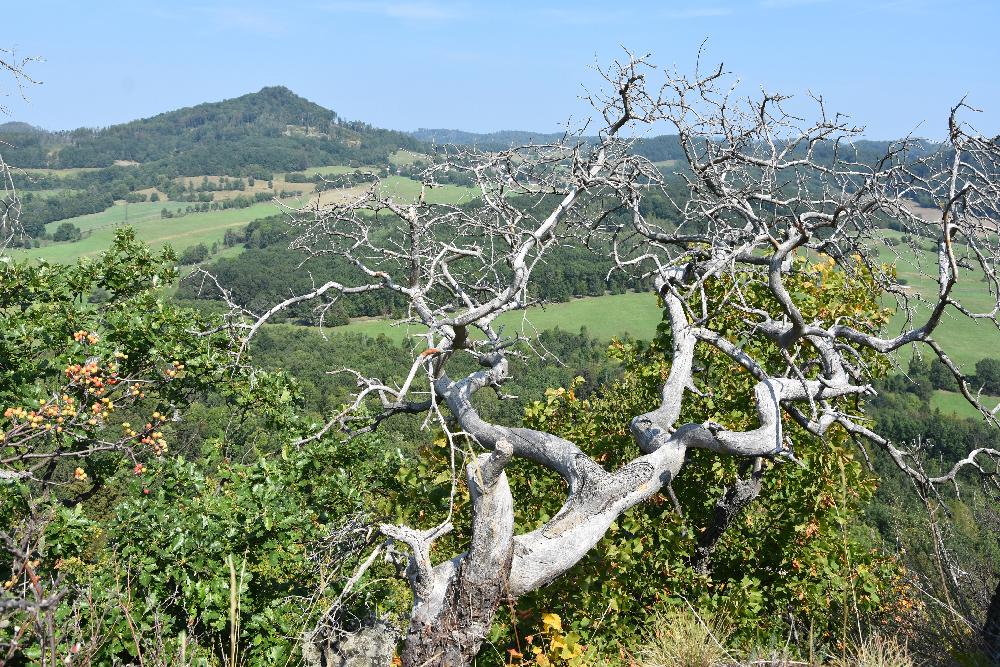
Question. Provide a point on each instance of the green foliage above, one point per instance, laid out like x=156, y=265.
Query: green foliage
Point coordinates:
x=154, y=563
x=46, y=306
x=144, y=538
x=988, y=375
x=77, y=381
x=194, y=254
x=67, y=231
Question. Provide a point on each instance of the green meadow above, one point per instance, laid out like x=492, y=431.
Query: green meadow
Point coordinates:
x=207, y=227
x=408, y=189
x=191, y=229
x=965, y=340
x=334, y=170
x=604, y=317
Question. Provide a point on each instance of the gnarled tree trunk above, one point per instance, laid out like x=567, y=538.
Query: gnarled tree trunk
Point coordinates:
x=736, y=498
x=456, y=601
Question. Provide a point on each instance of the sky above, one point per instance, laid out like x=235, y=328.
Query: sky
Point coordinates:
x=894, y=66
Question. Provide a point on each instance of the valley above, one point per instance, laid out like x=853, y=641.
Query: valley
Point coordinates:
x=247, y=129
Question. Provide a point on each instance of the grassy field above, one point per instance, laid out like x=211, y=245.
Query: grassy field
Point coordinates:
x=966, y=341
x=334, y=170
x=51, y=192
x=402, y=187
x=950, y=402
x=633, y=313
x=71, y=171
x=403, y=158
x=210, y=226
x=181, y=232
x=408, y=189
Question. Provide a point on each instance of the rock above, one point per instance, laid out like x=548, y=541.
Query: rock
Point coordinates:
x=372, y=645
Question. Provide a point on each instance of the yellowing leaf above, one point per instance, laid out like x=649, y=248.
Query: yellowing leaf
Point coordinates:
x=553, y=621
x=570, y=652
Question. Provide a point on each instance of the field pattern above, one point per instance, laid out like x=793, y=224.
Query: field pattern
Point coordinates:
x=210, y=226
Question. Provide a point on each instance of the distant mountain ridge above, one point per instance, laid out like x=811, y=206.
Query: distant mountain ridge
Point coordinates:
x=661, y=148
x=488, y=141
x=272, y=129
x=259, y=133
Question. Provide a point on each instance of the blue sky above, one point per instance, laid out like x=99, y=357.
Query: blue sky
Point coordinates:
x=893, y=65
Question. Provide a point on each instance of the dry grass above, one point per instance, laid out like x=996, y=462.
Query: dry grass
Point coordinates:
x=876, y=651
x=682, y=639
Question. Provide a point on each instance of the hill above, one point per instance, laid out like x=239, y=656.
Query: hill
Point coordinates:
x=658, y=149
x=272, y=129
x=16, y=127
x=487, y=141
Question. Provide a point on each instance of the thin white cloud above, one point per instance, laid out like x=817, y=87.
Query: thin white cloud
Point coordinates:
x=412, y=11
x=698, y=12
x=241, y=19
x=582, y=15
x=788, y=4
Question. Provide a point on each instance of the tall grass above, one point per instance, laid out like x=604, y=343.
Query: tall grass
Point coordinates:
x=876, y=651
x=684, y=639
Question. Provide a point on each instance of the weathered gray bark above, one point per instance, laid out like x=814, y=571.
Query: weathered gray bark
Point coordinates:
x=736, y=498
x=456, y=601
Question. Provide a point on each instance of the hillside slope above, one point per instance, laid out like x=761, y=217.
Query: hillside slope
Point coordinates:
x=657, y=149
x=272, y=129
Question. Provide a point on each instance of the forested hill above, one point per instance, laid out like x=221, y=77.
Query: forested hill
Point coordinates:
x=658, y=149
x=15, y=127
x=273, y=129
x=488, y=141
x=661, y=148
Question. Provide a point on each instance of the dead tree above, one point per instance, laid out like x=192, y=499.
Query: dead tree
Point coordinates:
x=10, y=205
x=762, y=188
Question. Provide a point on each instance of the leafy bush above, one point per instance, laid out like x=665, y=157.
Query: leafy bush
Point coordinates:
x=194, y=254
x=67, y=231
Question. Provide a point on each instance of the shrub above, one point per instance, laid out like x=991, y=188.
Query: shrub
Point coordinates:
x=988, y=375
x=194, y=254
x=67, y=231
